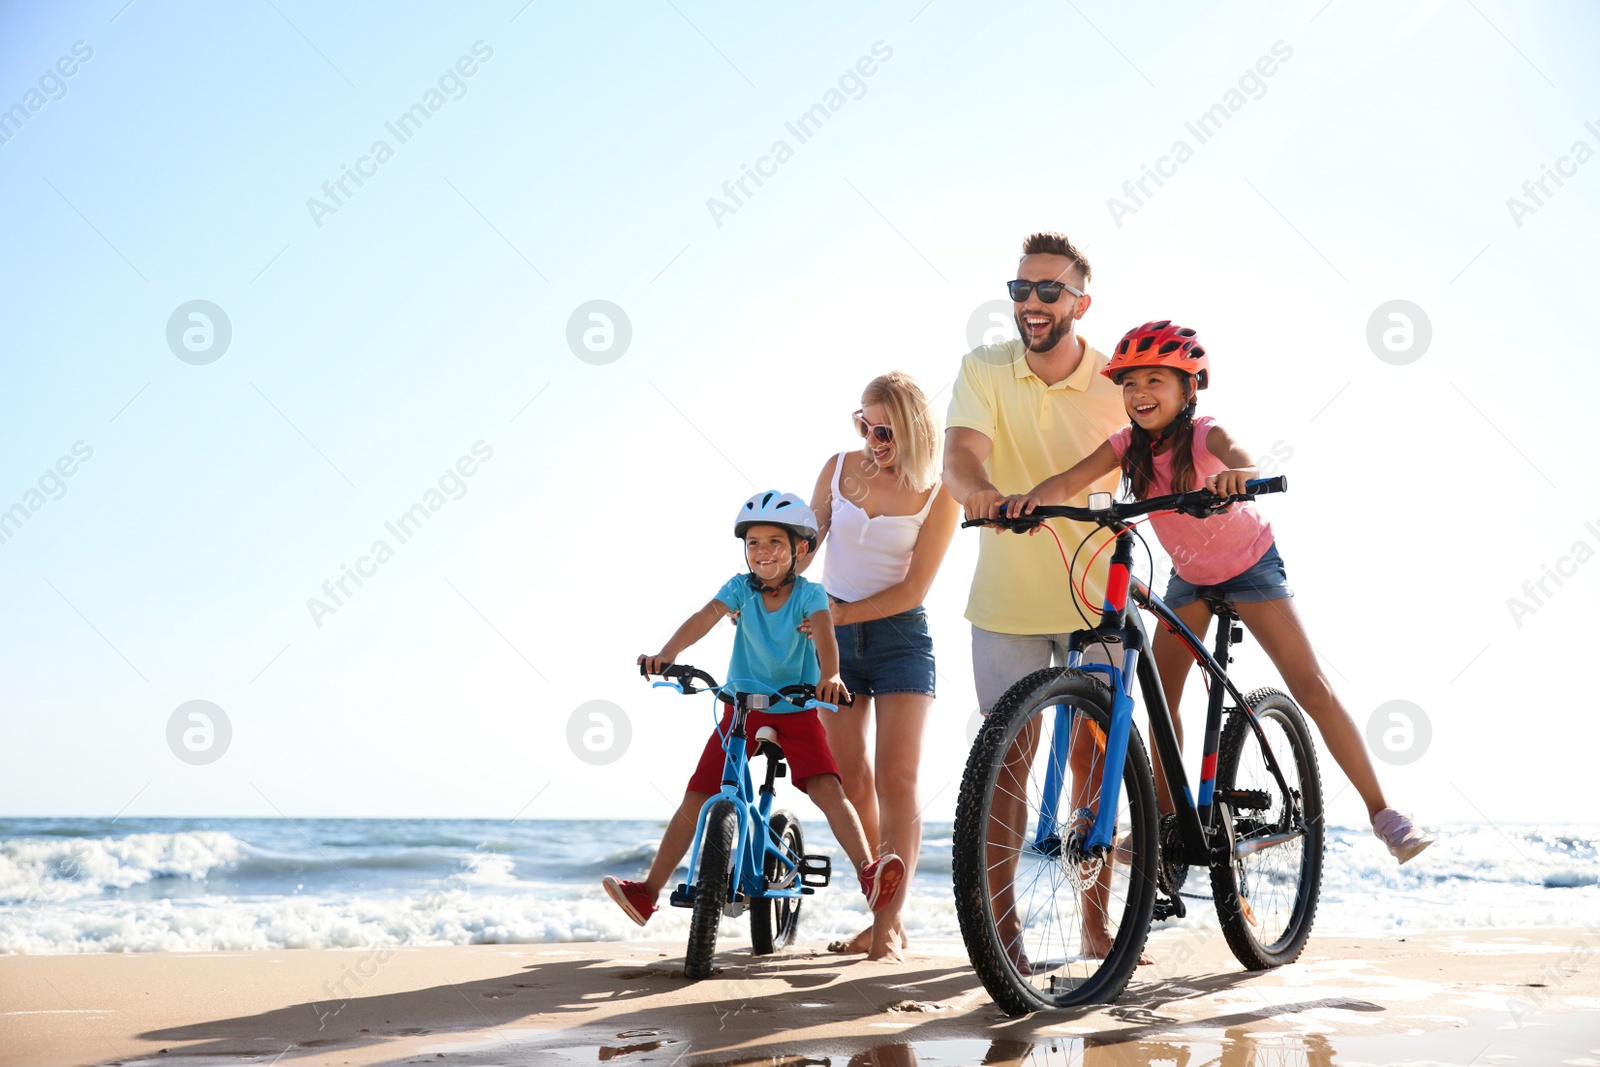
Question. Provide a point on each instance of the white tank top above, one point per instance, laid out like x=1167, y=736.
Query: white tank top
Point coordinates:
x=868, y=554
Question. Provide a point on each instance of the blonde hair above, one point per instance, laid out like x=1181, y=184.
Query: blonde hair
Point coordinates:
x=916, y=429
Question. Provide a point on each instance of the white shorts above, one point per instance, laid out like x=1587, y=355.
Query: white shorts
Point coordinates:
x=1000, y=660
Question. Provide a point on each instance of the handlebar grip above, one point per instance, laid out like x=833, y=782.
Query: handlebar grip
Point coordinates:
x=1280, y=484
x=682, y=675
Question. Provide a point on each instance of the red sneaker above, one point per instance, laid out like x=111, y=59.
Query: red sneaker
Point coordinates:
x=634, y=898
x=880, y=880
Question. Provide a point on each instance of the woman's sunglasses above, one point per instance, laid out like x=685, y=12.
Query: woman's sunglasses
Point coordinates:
x=1049, y=292
x=882, y=433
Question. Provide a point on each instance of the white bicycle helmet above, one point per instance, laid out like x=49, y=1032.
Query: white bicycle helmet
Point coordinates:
x=778, y=509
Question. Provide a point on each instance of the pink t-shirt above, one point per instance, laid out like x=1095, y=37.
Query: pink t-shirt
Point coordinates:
x=1205, y=551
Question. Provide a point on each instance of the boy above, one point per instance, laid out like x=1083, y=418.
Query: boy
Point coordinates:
x=768, y=605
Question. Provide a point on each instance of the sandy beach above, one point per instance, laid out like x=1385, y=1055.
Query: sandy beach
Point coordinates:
x=1487, y=996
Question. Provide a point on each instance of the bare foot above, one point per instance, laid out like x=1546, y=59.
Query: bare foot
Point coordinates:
x=889, y=949
x=1011, y=937
x=857, y=944
x=1019, y=958
x=1097, y=944
x=862, y=942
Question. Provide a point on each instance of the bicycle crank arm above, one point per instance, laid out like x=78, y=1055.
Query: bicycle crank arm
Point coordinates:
x=1258, y=844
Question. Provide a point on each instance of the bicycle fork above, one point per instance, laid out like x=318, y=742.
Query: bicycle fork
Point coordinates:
x=1109, y=635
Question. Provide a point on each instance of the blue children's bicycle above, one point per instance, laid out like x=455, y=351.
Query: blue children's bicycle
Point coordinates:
x=1060, y=858
x=745, y=857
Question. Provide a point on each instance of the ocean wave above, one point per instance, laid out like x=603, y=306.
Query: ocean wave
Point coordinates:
x=547, y=914
x=1570, y=879
x=46, y=869
x=262, y=884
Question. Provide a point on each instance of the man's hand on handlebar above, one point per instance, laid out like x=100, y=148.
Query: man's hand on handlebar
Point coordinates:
x=984, y=504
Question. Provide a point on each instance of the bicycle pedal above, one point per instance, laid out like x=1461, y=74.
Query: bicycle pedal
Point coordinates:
x=1172, y=908
x=1245, y=799
x=682, y=897
x=815, y=871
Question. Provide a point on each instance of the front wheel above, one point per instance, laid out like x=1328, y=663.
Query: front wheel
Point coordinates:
x=774, y=920
x=1047, y=924
x=1266, y=869
x=712, y=888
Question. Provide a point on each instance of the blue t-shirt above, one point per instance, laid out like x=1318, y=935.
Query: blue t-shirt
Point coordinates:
x=768, y=645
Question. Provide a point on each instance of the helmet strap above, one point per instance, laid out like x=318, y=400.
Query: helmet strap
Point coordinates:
x=1185, y=417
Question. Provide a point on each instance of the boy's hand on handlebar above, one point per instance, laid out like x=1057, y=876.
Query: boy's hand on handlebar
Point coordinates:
x=654, y=664
x=832, y=691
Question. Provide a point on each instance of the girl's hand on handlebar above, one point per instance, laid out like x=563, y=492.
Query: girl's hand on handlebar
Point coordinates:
x=1230, y=482
x=832, y=691
x=1020, y=504
x=654, y=664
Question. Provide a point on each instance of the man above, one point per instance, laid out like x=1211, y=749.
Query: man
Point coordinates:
x=1020, y=412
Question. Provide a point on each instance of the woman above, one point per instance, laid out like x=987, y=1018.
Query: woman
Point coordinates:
x=887, y=523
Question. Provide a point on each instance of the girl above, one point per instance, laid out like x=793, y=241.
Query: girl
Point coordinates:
x=1160, y=367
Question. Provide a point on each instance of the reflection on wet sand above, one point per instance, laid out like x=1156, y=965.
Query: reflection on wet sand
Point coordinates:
x=1236, y=1047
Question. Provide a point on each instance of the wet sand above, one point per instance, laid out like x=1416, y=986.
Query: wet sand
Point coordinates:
x=1488, y=997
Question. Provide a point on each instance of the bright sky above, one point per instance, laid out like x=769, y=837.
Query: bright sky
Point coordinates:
x=420, y=320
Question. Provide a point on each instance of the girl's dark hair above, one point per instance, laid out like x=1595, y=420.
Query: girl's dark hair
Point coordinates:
x=1138, y=461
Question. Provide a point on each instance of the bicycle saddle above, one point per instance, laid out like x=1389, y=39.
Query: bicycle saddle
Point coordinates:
x=767, y=742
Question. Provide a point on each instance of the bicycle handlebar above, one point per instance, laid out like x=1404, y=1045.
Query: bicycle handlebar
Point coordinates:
x=682, y=677
x=1197, y=502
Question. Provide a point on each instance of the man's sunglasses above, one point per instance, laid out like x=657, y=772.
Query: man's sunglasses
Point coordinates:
x=882, y=433
x=1049, y=292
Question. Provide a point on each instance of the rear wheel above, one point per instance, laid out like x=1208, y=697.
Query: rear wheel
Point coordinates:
x=1266, y=889
x=713, y=887
x=774, y=920
x=1046, y=924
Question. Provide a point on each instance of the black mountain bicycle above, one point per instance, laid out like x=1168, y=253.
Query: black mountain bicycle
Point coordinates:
x=1060, y=859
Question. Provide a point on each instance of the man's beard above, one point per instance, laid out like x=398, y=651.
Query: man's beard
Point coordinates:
x=1051, y=339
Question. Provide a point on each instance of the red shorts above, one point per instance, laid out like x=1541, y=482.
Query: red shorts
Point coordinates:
x=805, y=748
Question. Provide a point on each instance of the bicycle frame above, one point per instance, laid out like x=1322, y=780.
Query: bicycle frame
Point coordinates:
x=1122, y=626
x=755, y=838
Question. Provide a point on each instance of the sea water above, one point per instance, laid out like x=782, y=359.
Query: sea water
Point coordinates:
x=142, y=885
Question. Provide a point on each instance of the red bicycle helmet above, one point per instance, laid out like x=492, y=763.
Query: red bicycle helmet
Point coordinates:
x=1161, y=344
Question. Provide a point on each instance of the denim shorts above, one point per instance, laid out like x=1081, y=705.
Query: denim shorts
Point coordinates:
x=893, y=655
x=1264, y=580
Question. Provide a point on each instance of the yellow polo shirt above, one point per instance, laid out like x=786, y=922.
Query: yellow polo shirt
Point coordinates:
x=1020, y=586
